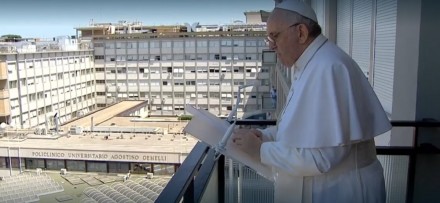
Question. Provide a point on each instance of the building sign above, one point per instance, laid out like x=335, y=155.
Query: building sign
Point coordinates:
x=101, y=156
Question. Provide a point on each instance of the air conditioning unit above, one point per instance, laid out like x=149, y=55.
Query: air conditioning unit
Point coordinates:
x=40, y=131
x=63, y=171
x=38, y=170
x=150, y=175
x=76, y=130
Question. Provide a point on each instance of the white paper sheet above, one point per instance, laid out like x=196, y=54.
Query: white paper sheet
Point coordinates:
x=210, y=129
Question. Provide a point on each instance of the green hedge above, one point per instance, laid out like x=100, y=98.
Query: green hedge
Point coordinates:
x=185, y=117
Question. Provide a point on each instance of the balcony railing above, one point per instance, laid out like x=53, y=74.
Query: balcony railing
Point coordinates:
x=201, y=178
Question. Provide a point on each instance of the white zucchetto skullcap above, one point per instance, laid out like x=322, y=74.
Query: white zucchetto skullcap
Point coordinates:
x=299, y=7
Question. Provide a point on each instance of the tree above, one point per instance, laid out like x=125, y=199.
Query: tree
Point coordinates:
x=11, y=37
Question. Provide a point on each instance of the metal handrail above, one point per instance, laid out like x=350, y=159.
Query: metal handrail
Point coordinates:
x=394, y=123
x=191, y=179
x=182, y=183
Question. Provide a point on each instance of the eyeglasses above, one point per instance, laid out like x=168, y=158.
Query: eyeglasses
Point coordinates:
x=272, y=39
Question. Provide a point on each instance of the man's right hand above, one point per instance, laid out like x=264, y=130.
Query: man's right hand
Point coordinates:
x=253, y=131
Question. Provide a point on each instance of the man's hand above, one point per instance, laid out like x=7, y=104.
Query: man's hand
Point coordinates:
x=249, y=141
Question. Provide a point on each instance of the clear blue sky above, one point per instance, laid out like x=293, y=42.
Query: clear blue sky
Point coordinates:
x=50, y=18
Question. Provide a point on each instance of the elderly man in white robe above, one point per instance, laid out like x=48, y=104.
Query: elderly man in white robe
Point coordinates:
x=322, y=148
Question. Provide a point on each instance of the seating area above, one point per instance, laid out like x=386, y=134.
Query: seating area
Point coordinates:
x=27, y=187
x=141, y=190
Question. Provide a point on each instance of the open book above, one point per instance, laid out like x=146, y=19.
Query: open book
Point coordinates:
x=211, y=129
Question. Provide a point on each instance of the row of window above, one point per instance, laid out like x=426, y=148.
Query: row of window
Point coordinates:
x=90, y=166
x=42, y=95
x=212, y=69
x=171, y=57
x=167, y=95
x=55, y=106
x=38, y=63
x=66, y=76
x=55, y=91
x=30, y=119
x=182, y=44
x=217, y=82
x=52, y=60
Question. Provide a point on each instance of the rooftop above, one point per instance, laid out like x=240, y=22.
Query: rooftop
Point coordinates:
x=112, y=134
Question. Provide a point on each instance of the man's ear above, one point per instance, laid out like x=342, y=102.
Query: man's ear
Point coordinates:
x=303, y=33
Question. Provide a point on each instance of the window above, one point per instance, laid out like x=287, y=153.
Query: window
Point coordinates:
x=179, y=56
x=111, y=58
x=167, y=57
x=94, y=166
x=109, y=45
x=169, y=69
x=76, y=165
x=131, y=57
x=155, y=44
x=98, y=45
x=238, y=43
x=190, y=43
x=143, y=45
x=54, y=164
x=120, y=45
x=144, y=57
x=118, y=167
x=166, y=44
x=178, y=44
x=202, y=56
x=202, y=43
x=190, y=57
x=226, y=56
x=251, y=56
x=226, y=43
x=131, y=45
x=12, y=84
x=238, y=56
x=214, y=44
x=264, y=70
x=251, y=43
x=120, y=58
x=34, y=163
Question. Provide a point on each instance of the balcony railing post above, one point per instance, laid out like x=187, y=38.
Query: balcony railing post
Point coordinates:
x=188, y=197
x=412, y=168
x=182, y=183
x=203, y=178
x=221, y=179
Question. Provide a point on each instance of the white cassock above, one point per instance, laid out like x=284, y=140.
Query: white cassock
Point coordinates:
x=322, y=149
